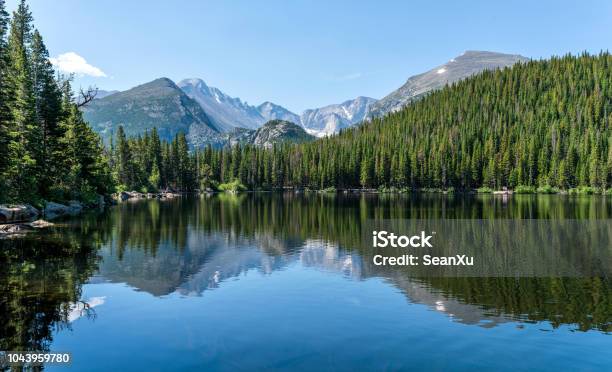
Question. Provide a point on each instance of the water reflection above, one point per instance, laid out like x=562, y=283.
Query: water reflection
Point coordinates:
x=218, y=238
x=189, y=246
x=40, y=282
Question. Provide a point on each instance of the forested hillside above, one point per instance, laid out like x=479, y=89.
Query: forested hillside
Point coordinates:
x=47, y=150
x=537, y=123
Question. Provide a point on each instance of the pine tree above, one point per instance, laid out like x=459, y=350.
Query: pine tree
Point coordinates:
x=24, y=135
x=154, y=178
x=48, y=105
x=124, y=159
x=5, y=97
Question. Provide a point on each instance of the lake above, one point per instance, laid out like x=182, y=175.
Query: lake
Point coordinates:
x=271, y=281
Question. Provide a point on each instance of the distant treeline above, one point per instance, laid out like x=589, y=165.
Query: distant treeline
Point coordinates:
x=47, y=150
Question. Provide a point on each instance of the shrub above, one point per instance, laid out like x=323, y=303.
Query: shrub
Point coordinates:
x=583, y=190
x=234, y=186
x=391, y=189
x=608, y=192
x=88, y=195
x=547, y=189
x=484, y=190
x=432, y=190
x=522, y=189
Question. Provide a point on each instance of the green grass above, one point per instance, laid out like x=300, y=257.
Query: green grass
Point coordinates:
x=484, y=190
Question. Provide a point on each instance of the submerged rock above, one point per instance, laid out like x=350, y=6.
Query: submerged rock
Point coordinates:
x=17, y=213
x=40, y=224
x=14, y=228
x=18, y=229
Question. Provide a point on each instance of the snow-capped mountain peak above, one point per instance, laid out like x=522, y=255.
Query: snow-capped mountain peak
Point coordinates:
x=231, y=112
x=332, y=118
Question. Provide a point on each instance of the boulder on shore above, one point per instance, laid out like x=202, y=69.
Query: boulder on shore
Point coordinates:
x=137, y=195
x=169, y=195
x=17, y=213
x=54, y=210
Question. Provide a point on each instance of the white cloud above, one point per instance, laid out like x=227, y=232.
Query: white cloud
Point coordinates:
x=73, y=63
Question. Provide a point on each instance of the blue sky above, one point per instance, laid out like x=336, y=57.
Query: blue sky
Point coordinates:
x=304, y=54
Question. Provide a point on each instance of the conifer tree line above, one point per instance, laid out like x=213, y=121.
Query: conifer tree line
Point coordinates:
x=147, y=164
x=538, y=123
x=47, y=150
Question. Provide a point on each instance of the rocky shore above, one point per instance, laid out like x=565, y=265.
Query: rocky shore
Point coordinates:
x=135, y=195
x=22, y=218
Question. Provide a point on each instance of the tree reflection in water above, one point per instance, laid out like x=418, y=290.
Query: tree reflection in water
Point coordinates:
x=192, y=244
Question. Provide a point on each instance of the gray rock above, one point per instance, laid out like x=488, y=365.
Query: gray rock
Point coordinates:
x=121, y=196
x=17, y=213
x=55, y=210
x=136, y=194
x=75, y=207
x=100, y=203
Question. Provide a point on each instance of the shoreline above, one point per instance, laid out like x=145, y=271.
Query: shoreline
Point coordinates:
x=24, y=216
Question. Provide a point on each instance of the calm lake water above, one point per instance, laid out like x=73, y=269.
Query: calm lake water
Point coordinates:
x=278, y=281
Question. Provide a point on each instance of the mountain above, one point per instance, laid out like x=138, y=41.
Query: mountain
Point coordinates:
x=159, y=103
x=277, y=131
x=225, y=112
x=228, y=112
x=273, y=131
x=466, y=65
x=270, y=111
x=330, y=119
x=212, y=111
x=105, y=93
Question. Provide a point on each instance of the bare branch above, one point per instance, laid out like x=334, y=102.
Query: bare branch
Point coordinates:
x=86, y=96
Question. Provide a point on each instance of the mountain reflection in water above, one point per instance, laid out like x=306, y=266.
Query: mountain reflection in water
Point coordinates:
x=189, y=246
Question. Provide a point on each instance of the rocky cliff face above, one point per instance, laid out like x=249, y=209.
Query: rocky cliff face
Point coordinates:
x=278, y=131
x=224, y=111
x=271, y=111
x=331, y=119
